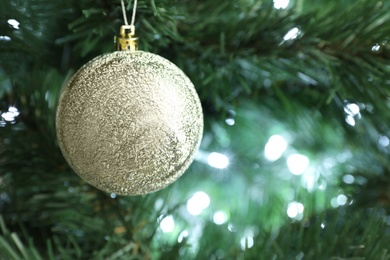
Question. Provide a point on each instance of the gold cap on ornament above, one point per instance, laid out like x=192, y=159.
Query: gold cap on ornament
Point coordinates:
x=126, y=40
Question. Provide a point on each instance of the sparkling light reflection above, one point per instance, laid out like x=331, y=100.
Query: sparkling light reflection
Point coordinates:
x=197, y=203
x=218, y=160
x=281, y=4
x=167, y=224
x=297, y=163
x=275, y=147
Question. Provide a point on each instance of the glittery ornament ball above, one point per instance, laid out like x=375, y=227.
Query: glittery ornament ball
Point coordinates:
x=129, y=122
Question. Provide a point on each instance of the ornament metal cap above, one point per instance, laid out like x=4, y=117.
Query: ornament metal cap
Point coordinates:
x=126, y=40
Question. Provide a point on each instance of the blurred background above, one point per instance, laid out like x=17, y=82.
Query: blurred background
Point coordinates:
x=294, y=162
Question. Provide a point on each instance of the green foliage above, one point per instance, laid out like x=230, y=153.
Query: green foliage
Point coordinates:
x=254, y=82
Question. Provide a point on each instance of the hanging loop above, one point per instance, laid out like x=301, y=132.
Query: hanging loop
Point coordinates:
x=127, y=40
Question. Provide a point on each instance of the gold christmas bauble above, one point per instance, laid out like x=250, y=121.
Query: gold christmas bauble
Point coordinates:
x=129, y=122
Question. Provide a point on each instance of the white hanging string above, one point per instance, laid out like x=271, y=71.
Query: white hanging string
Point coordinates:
x=124, y=12
x=133, y=15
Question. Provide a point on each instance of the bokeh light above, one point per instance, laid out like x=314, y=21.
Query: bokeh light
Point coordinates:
x=375, y=48
x=5, y=38
x=12, y=113
x=247, y=242
x=13, y=23
x=275, y=147
x=350, y=120
x=184, y=234
x=342, y=199
x=384, y=141
x=281, y=4
x=297, y=163
x=292, y=34
x=220, y=217
x=295, y=210
x=197, y=203
x=230, y=121
x=352, y=109
x=218, y=160
x=348, y=179
x=167, y=224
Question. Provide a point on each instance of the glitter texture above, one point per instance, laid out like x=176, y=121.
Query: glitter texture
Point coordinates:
x=129, y=122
